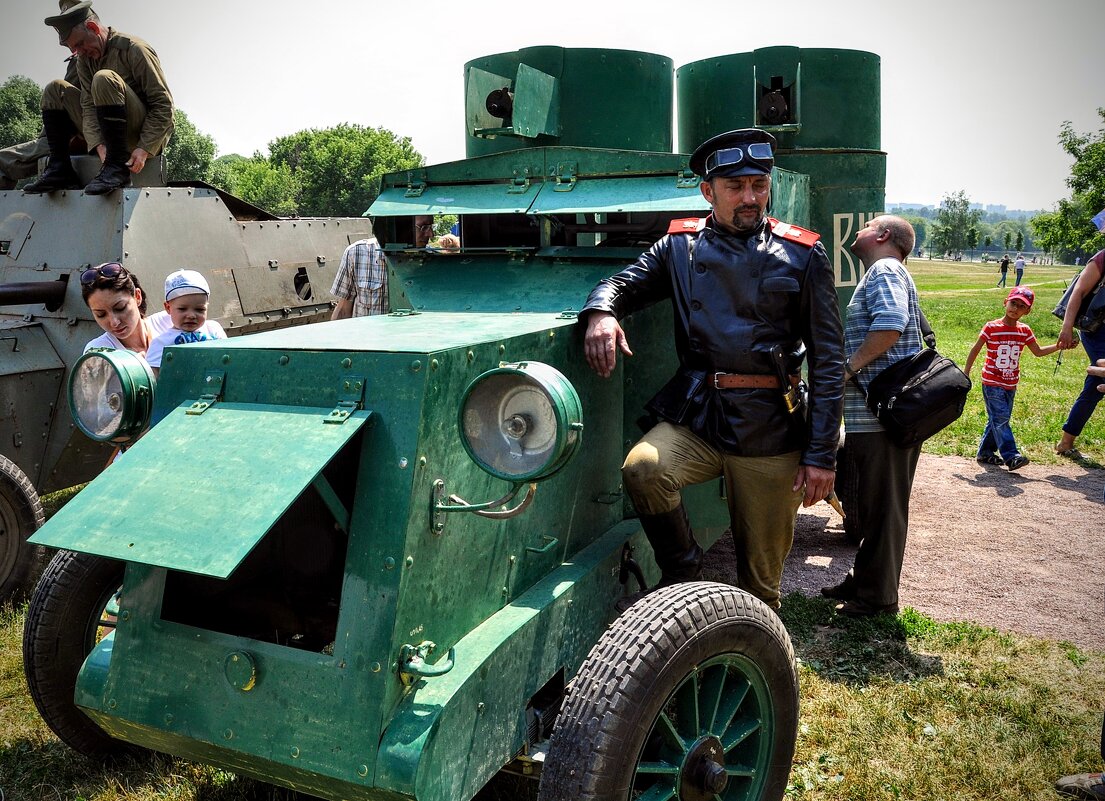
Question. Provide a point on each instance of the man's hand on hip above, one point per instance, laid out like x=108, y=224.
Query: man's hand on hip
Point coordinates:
x=604, y=338
x=818, y=482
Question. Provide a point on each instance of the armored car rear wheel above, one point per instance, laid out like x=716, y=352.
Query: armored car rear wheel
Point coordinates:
x=68, y=614
x=20, y=516
x=692, y=694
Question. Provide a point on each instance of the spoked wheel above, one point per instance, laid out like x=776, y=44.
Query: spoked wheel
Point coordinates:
x=692, y=694
x=72, y=609
x=20, y=516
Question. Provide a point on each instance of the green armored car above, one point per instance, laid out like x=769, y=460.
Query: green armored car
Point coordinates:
x=378, y=558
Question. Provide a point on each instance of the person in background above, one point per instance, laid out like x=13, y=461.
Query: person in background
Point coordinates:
x=186, y=297
x=1094, y=342
x=883, y=325
x=1018, y=266
x=1003, y=265
x=118, y=306
x=1004, y=339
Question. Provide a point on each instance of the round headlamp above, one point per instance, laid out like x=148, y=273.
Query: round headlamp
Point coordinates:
x=521, y=422
x=111, y=395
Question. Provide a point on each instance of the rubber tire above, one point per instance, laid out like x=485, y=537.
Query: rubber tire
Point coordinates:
x=20, y=517
x=57, y=636
x=628, y=677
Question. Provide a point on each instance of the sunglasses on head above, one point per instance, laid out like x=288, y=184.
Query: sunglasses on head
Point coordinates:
x=112, y=269
x=757, y=151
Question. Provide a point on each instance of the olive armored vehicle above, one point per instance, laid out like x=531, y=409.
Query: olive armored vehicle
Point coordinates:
x=393, y=573
x=264, y=272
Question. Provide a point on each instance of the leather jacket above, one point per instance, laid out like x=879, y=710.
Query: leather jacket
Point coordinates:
x=735, y=299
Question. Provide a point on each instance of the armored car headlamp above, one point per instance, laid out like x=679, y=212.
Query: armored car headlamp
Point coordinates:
x=521, y=422
x=111, y=395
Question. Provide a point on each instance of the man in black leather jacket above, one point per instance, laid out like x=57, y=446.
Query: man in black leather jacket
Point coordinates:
x=745, y=290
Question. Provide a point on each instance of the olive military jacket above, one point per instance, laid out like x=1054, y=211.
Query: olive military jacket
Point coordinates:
x=138, y=65
x=735, y=299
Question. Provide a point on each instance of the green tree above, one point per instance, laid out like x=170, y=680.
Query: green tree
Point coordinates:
x=954, y=219
x=189, y=151
x=1019, y=240
x=20, y=110
x=257, y=181
x=1067, y=232
x=338, y=169
x=1007, y=239
x=972, y=237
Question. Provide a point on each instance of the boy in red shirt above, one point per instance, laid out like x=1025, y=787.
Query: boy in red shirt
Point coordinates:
x=1004, y=339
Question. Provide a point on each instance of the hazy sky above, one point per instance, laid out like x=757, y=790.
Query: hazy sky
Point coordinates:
x=973, y=91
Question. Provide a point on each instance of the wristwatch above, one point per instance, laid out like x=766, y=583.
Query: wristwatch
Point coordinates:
x=849, y=368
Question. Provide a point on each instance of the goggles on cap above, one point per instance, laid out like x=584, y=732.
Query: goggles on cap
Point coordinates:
x=727, y=157
x=112, y=269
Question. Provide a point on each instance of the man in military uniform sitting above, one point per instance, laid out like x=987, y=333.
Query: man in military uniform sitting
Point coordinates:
x=747, y=291
x=121, y=103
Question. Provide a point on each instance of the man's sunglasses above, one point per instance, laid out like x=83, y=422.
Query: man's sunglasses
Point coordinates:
x=112, y=269
x=757, y=151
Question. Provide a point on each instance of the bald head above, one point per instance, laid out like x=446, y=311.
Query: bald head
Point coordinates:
x=884, y=236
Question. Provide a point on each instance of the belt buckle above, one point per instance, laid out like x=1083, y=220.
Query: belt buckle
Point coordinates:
x=716, y=378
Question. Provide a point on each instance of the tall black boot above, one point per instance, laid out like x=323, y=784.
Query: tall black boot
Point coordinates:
x=114, y=174
x=59, y=172
x=678, y=554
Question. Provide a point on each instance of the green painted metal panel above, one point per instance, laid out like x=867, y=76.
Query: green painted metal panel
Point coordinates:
x=272, y=451
x=393, y=333
x=494, y=198
x=645, y=194
x=632, y=89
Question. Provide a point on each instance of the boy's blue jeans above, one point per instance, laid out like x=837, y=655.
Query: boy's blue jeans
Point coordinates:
x=998, y=436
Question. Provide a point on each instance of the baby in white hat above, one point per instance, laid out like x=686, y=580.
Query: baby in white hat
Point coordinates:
x=186, y=294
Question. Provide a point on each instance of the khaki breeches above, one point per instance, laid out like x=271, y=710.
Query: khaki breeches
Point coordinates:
x=759, y=490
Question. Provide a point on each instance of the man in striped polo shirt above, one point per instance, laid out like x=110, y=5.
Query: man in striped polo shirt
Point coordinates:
x=883, y=326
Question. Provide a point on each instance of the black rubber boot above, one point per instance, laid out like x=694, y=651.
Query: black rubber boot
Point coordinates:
x=678, y=554
x=6, y=183
x=114, y=174
x=59, y=172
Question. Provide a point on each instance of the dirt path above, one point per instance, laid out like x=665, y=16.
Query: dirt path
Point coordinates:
x=1020, y=551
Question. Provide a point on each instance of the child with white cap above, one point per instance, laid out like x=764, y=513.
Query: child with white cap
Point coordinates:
x=186, y=294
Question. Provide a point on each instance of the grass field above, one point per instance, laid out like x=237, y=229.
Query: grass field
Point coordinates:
x=892, y=708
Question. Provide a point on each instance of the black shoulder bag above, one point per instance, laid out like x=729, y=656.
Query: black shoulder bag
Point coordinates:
x=919, y=395
x=1091, y=312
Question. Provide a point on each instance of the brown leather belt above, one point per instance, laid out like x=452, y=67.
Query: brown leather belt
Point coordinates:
x=745, y=381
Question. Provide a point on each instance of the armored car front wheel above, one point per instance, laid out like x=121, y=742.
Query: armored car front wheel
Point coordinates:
x=692, y=694
x=20, y=516
x=70, y=611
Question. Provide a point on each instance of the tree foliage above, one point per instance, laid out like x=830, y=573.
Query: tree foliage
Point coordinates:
x=954, y=220
x=256, y=180
x=20, y=110
x=189, y=151
x=1067, y=232
x=338, y=169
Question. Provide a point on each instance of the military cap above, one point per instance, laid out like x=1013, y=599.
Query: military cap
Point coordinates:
x=72, y=15
x=745, y=151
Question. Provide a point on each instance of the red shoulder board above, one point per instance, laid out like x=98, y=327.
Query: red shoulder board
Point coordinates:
x=794, y=233
x=689, y=226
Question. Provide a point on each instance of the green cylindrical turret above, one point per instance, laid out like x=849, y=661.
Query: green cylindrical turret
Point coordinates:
x=572, y=97
x=823, y=106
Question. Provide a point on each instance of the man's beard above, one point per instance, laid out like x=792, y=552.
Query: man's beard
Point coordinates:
x=753, y=211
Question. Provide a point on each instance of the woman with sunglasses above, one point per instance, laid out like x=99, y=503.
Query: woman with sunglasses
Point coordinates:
x=118, y=305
